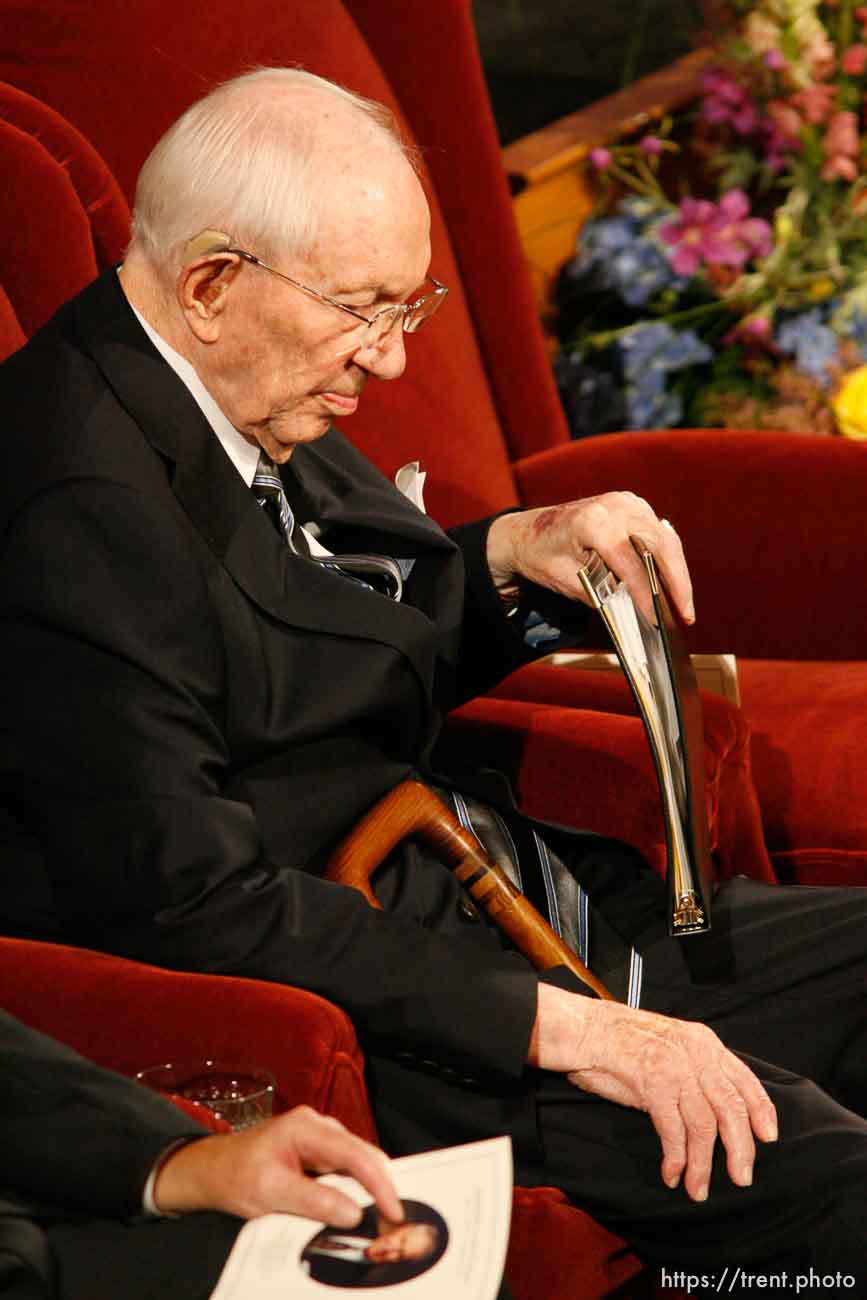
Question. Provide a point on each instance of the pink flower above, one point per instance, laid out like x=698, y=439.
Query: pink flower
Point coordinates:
x=786, y=119
x=751, y=332
x=854, y=61
x=725, y=101
x=839, y=167
x=775, y=60
x=738, y=236
x=651, y=144
x=781, y=132
x=815, y=102
x=689, y=237
x=719, y=235
x=600, y=158
x=841, y=146
x=757, y=328
x=842, y=135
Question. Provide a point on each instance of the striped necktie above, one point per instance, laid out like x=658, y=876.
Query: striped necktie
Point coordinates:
x=268, y=490
x=379, y=574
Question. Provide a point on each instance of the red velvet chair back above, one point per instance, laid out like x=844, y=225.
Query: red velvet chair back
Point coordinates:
x=90, y=178
x=11, y=334
x=732, y=497
x=62, y=215
x=122, y=74
x=430, y=56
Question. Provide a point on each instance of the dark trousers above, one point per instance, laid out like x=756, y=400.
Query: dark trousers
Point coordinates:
x=148, y=1259
x=782, y=979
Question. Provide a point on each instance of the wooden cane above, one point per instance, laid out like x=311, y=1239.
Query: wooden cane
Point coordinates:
x=411, y=808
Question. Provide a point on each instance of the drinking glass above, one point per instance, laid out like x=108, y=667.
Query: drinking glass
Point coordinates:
x=240, y=1094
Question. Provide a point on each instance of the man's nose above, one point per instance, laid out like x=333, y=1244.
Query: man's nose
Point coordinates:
x=385, y=359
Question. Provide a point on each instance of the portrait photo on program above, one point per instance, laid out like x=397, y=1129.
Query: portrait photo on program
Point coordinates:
x=378, y=1252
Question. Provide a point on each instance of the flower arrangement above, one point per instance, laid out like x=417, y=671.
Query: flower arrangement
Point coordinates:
x=746, y=305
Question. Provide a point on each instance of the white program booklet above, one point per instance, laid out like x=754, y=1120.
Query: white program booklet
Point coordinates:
x=458, y=1205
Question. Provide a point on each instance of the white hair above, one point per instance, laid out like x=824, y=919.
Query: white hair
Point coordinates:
x=243, y=161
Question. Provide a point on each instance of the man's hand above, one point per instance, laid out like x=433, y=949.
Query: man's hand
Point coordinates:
x=692, y=1087
x=550, y=545
x=262, y=1171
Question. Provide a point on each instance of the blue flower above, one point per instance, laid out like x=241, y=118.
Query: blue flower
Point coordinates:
x=593, y=398
x=639, y=271
x=648, y=355
x=600, y=238
x=658, y=347
x=812, y=344
x=649, y=406
x=623, y=252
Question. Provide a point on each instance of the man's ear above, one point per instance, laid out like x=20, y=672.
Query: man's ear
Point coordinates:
x=203, y=292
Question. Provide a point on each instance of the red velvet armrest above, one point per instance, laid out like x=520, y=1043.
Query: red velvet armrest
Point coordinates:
x=772, y=525
x=570, y=763
x=126, y=1015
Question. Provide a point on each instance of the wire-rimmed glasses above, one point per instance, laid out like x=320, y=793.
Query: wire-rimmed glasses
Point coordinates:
x=412, y=315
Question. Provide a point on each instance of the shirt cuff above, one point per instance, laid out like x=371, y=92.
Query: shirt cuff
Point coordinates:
x=148, y=1204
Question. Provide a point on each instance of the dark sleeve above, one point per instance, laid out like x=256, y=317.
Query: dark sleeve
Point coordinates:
x=74, y=1136
x=115, y=752
x=493, y=645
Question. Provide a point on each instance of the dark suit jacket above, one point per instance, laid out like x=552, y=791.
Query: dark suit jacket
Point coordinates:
x=76, y=1142
x=191, y=714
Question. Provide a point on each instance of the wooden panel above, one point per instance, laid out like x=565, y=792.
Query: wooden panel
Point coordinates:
x=549, y=214
x=554, y=192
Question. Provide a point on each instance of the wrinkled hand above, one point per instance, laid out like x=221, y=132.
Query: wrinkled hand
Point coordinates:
x=549, y=545
x=690, y=1085
x=262, y=1171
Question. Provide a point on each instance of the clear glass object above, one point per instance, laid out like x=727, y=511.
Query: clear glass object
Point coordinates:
x=242, y=1095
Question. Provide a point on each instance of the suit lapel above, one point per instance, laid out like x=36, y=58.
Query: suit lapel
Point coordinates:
x=344, y=489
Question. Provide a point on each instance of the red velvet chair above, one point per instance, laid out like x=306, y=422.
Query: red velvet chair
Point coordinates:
x=483, y=375
x=147, y=1016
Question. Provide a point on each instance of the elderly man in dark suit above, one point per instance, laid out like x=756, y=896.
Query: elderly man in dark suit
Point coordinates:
x=202, y=695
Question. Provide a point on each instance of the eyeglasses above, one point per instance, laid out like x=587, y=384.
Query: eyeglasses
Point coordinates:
x=412, y=315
